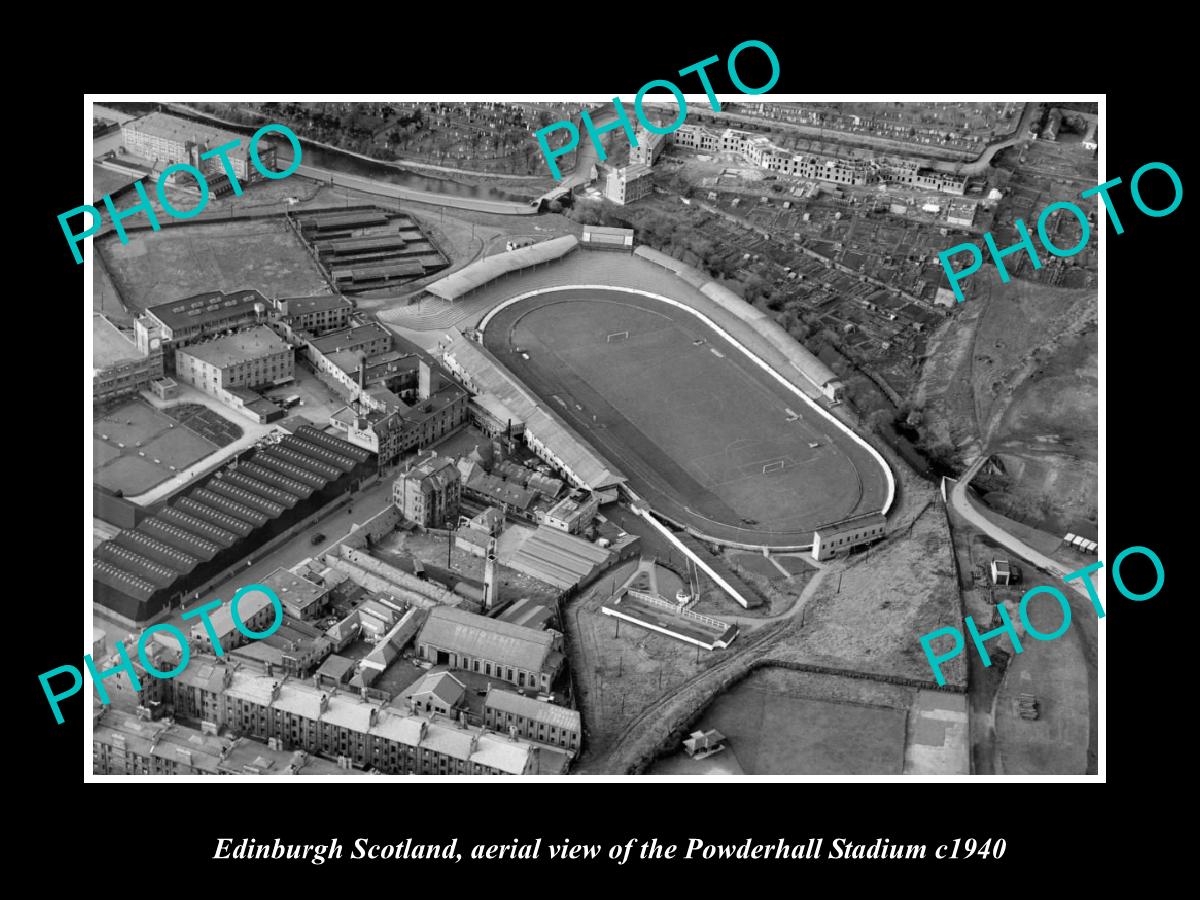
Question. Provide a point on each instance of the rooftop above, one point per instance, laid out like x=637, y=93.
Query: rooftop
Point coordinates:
x=109, y=345
x=174, y=128
x=537, y=710
x=293, y=590
x=235, y=348
x=206, y=308
x=479, y=636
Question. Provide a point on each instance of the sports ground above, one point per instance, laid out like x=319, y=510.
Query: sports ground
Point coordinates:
x=701, y=432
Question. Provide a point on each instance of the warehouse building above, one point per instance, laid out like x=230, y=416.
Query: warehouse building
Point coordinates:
x=182, y=322
x=526, y=657
x=559, y=559
x=164, y=140
x=317, y=315
x=220, y=519
x=629, y=183
x=249, y=359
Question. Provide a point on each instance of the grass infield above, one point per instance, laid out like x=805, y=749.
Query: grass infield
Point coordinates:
x=701, y=432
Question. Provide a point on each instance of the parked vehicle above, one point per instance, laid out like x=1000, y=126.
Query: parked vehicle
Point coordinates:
x=318, y=538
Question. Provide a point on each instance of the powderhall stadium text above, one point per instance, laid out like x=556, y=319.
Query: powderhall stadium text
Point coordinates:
x=840, y=848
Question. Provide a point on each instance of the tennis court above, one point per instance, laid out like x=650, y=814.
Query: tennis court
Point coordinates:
x=700, y=430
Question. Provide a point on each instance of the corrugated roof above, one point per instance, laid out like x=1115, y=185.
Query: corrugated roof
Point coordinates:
x=557, y=558
x=480, y=273
x=488, y=376
x=479, y=636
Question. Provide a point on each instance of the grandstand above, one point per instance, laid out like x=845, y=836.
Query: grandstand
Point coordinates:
x=803, y=360
x=212, y=526
x=544, y=433
x=459, y=284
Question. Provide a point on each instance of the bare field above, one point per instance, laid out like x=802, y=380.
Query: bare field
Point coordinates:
x=870, y=618
x=775, y=732
x=619, y=671
x=1015, y=373
x=158, y=267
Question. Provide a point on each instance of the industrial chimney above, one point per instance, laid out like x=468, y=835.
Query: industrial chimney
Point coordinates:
x=489, y=576
x=424, y=379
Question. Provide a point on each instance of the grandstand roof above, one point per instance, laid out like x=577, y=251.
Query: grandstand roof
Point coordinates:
x=805, y=362
x=480, y=273
x=478, y=636
x=488, y=376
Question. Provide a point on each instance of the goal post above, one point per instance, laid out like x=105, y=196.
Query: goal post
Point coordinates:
x=617, y=336
x=773, y=466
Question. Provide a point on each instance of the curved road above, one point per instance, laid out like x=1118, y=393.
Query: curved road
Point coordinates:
x=957, y=498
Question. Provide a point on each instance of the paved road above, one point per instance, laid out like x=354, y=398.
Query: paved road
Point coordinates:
x=958, y=500
x=336, y=525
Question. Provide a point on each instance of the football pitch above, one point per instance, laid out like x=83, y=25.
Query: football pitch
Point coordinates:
x=701, y=432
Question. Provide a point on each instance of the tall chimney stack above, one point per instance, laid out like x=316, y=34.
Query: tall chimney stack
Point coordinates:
x=424, y=379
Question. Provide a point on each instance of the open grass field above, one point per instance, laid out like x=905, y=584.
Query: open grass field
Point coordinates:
x=158, y=267
x=153, y=444
x=775, y=733
x=700, y=431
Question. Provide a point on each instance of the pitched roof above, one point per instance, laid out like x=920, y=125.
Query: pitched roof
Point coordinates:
x=538, y=711
x=488, y=376
x=442, y=685
x=479, y=636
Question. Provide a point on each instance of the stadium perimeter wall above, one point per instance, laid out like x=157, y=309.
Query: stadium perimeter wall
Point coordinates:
x=753, y=332
x=702, y=314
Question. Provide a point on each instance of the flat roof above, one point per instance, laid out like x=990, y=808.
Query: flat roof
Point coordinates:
x=175, y=128
x=235, y=348
x=293, y=590
x=300, y=305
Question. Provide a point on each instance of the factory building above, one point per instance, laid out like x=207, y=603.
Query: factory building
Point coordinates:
x=627, y=184
x=526, y=657
x=164, y=140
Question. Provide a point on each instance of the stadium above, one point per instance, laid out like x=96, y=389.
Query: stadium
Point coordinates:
x=638, y=371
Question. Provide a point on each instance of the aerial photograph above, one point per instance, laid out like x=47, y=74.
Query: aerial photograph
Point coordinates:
x=473, y=437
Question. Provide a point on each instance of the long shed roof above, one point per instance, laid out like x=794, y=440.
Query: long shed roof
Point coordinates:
x=480, y=273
